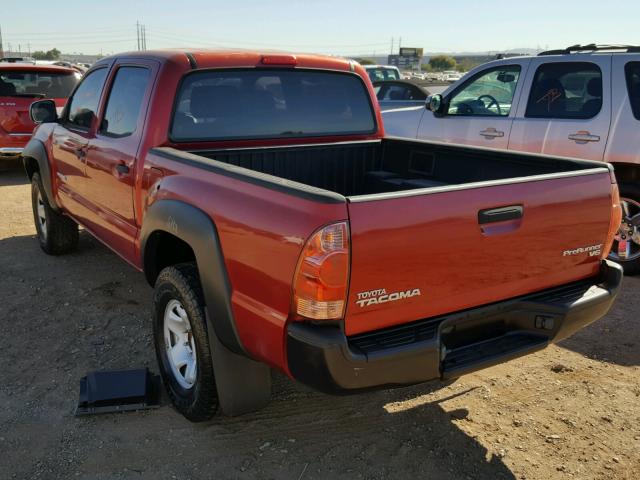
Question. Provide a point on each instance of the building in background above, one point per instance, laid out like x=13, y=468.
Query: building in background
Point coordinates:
x=407, y=58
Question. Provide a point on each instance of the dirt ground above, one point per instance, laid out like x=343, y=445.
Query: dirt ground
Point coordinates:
x=570, y=411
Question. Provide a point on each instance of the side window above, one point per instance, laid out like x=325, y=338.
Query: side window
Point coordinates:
x=632, y=70
x=125, y=100
x=84, y=103
x=566, y=90
x=489, y=93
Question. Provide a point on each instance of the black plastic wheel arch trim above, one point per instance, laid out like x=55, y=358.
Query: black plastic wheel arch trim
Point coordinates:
x=35, y=150
x=195, y=228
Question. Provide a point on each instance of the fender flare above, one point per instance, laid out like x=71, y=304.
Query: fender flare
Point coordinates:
x=35, y=149
x=197, y=229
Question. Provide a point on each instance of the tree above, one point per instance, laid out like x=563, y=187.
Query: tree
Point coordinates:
x=53, y=54
x=442, y=62
x=365, y=61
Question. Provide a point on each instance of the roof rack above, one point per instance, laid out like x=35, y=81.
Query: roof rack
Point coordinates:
x=592, y=47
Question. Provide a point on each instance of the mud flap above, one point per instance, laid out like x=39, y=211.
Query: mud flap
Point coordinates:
x=243, y=385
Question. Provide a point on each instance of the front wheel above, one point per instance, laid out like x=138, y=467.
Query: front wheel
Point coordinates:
x=182, y=345
x=626, y=244
x=57, y=233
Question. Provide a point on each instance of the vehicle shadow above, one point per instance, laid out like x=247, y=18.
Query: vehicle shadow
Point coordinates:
x=89, y=311
x=616, y=337
x=12, y=173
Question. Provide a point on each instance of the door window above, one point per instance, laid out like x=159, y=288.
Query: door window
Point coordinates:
x=632, y=70
x=489, y=93
x=84, y=103
x=566, y=90
x=125, y=101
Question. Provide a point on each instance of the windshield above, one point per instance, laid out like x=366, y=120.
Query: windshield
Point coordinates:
x=25, y=83
x=381, y=73
x=214, y=105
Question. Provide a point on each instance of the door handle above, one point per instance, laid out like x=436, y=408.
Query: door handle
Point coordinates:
x=491, y=133
x=500, y=214
x=122, y=168
x=584, y=136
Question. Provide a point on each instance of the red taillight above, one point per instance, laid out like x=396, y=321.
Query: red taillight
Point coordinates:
x=320, y=282
x=279, y=60
x=614, y=222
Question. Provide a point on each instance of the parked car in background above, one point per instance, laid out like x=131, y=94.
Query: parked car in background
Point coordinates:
x=582, y=102
x=451, y=76
x=379, y=73
x=28, y=60
x=281, y=229
x=399, y=93
x=20, y=85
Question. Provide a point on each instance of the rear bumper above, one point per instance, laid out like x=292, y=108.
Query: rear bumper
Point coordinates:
x=449, y=346
x=8, y=153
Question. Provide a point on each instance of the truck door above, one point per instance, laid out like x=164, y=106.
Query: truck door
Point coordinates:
x=567, y=108
x=480, y=111
x=111, y=156
x=71, y=137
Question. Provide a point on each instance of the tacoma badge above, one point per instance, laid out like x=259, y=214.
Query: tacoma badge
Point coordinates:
x=374, y=297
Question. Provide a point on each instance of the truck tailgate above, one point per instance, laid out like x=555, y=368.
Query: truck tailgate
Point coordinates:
x=425, y=253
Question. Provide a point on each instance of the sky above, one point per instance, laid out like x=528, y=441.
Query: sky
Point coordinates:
x=339, y=27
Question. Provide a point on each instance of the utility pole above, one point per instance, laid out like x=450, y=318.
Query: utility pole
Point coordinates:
x=138, y=33
x=144, y=37
x=391, y=46
x=400, y=44
x=1, y=48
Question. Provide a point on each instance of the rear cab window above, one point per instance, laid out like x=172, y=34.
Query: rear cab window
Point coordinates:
x=570, y=90
x=37, y=83
x=632, y=72
x=125, y=101
x=251, y=104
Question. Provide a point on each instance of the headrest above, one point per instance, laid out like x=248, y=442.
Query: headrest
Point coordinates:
x=594, y=87
x=214, y=101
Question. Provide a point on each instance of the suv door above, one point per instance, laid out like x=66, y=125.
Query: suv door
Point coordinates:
x=112, y=154
x=71, y=137
x=479, y=111
x=567, y=111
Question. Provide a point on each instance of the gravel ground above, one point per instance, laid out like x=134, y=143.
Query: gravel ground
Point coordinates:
x=570, y=411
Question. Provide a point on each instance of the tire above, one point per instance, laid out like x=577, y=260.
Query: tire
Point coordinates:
x=178, y=294
x=630, y=194
x=57, y=233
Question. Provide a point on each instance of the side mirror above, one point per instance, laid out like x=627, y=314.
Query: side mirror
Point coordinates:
x=43, y=111
x=435, y=103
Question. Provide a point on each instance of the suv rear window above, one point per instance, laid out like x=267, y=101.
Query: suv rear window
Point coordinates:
x=632, y=70
x=566, y=90
x=235, y=104
x=25, y=83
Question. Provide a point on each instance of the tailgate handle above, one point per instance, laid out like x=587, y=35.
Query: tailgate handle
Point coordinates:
x=500, y=214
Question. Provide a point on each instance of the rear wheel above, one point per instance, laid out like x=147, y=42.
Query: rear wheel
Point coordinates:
x=626, y=245
x=182, y=345
x=57, y=233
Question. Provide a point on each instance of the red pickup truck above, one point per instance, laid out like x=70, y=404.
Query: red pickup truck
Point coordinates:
x=281, y=229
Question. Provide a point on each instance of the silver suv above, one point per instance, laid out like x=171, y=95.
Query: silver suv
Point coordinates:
x=583, y=101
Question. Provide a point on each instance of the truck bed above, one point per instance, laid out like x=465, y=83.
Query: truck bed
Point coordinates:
x=390, y=165
x=456, y=227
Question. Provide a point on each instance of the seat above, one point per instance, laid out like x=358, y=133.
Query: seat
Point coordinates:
x=7, y=89
x=592, y=107
x=214, y=102
x=548, y=99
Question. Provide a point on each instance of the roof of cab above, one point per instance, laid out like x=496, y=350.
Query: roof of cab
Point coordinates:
x=209, y=58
